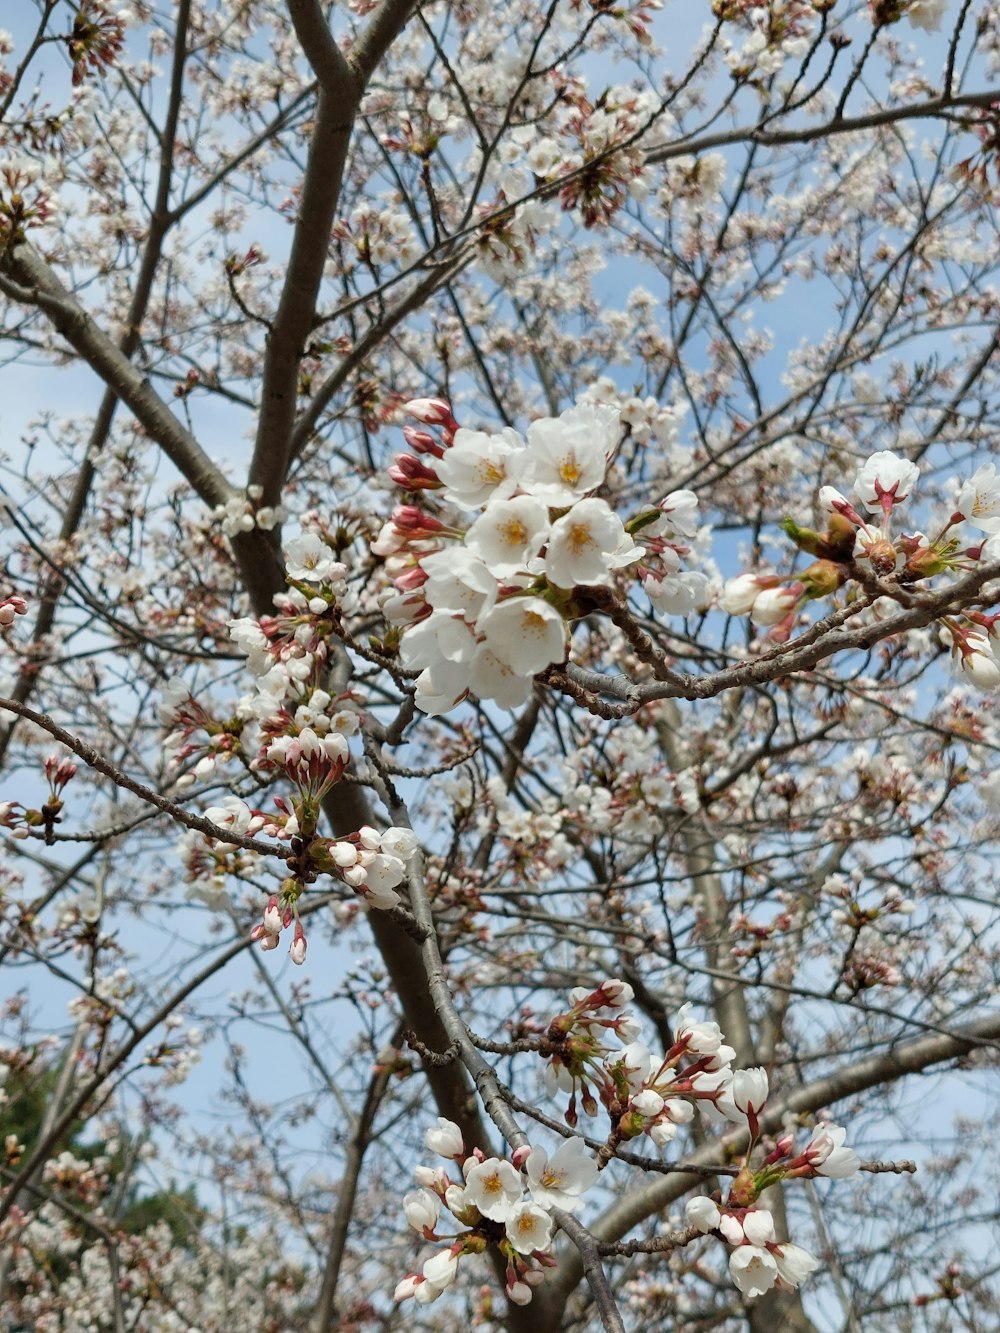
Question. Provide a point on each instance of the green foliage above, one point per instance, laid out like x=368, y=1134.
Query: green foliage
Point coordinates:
x=29, y=1094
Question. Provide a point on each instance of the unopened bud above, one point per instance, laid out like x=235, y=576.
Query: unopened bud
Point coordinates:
x=408, y=471
x=822, y=578
x=431, y=411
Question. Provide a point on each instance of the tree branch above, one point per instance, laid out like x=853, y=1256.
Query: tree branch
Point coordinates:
x=30, y=281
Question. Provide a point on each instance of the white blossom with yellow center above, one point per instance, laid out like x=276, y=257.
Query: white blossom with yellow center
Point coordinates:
x=509, y=533
x=494, y=1187
x=567, y=456
x=526, y=633
x=529, y=1228
x=587, y=545
x=979, y=499
x=476, y=468
x=559, y=1181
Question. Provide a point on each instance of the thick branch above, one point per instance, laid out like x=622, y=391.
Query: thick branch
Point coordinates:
x=342, y=84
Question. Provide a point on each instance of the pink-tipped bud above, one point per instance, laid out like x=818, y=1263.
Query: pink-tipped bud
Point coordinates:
x=773, y=605
x=416, y=522
x=782, y=1148
x=59, y=771
x=431, y=411
x=832, y=502
x=616, y=994
x=298, y=949
x=520, y=1155
x=11, y=607
x=411, y=579
x=422, y=442
x=519, y=1293
x=272, y=917
x=408, y=472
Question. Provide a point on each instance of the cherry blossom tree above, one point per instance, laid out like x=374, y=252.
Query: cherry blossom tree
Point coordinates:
x=501, y=537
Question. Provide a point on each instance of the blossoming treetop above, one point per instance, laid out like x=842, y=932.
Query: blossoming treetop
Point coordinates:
x=519, y=540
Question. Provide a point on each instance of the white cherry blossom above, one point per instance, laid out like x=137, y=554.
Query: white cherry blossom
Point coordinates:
x=441, y=1268
x=745, y=1098
x=422, y=1208
x=458, y=581
x=679, y=594
x=705, y=1038
x=885, y=480
x=441, y=637
x=528, y=1227
x=794, y=1263
x=758, y=1226
x=476, y=468
x=398, y=842
x=489, y=677
x=440, y=687
x=587, y=544
x=680, y=515
x=740, y=593
x=444, y=1138
x=773, y=605
x=753, y=1269
x=494, y=1187
x=732, y=1229
x=979, y=499
x=309, y=559
x=559, y=1181
x=524, y=632
x=702, y=1213
x=647, y=1102
x=926, y=14
x=828, y=1154
x=974, y=661
x=567, y=456
x=509, y=533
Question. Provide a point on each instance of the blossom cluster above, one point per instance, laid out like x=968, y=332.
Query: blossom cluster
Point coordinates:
x=369, y=862
x=26, y=201
x=757, y=1260
x=856, y=547
x=642, y=1093
x=499, y=1202
x=484, y=607
x=10, y=608
x=244, y=512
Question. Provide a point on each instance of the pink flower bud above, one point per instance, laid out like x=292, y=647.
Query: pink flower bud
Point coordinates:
x=740, y=594
x=422, y=441
x=408, y=471
x=774, y=605
x=416, y=522
x=272, y=917
x=519, y=1293
x=298, y=949
x=431, y=411
x=411, y=579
